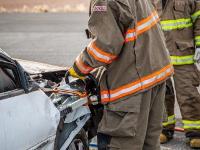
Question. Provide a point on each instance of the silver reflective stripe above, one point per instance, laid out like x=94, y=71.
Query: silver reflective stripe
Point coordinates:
x=126, y=90
x=148, y=23
x=131, y=35
x=170, y=120
x=193, y=125
x=138, y=85
x=168, y=25
x=104, y=96
x=83, y=68
x=174, y=24
x=182, y=60
x=91, y=48
x=154, y=17
x=100, y=55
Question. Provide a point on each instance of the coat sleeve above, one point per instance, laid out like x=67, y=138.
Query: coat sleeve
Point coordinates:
x=108, y=38
x=196, y=22
x=158, y=6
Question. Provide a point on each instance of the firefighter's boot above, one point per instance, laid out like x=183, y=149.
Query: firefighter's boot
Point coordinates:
x=166, y=136
x=195, y=143
x=163, y=138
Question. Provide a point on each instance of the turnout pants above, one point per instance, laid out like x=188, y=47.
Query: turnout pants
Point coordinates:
x=186, y=80
x=134, y=123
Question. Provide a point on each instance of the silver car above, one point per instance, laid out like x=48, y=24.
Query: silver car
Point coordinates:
x=35, y=116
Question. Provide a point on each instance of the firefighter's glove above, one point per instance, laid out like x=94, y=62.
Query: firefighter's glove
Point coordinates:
x=93, y=100
x=197, y=55
x=73, y=73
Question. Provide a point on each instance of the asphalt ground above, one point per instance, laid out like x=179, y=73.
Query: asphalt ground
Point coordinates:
x=54, y=38
x=49, y=38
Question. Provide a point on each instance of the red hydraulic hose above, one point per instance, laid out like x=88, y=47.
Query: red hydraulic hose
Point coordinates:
x=179, y=129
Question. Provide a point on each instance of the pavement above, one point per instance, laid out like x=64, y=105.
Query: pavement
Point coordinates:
x=54, y=38
x=49, y=37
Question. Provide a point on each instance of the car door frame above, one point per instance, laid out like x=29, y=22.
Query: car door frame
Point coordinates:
x=20, y=74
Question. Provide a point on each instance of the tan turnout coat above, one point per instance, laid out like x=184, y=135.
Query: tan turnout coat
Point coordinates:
x=129, y=43
x=180, y=22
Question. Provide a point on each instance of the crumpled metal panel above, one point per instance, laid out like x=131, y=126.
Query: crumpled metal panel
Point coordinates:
x=27, y=120
x=82, y=115
x=35, y=67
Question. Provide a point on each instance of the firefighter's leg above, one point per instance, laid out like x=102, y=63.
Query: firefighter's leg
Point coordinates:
x=134, y=123
x=187, y=79
x=103, y=141
x=169, y=116
x=155, y=119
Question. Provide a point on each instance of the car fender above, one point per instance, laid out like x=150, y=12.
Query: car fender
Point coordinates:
x=37, y=120
x=73, y=123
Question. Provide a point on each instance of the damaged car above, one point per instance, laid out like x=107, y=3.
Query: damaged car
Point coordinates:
x=42, y=108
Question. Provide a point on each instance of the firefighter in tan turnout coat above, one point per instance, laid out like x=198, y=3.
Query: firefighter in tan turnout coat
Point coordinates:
x=180, y=22
x=129, y=43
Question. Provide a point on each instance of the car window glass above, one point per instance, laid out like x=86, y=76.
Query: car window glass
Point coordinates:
x=8, y=80
x=10, y=73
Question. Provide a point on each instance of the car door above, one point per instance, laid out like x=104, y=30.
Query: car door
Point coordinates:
x=28, y=119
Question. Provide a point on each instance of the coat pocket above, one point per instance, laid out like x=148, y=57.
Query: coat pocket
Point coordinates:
x=185, y=45
x=120, y=118
x=180, y=9
x=179, y=5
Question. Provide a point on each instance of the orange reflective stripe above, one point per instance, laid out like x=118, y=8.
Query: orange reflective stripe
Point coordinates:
x=141, y=84
x=142, y=26
x=85, y=69
x=99, y=54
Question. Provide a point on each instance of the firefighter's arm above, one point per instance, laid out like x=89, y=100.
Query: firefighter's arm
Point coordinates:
x=196, y=22
x=158, y=6
x=108, y=38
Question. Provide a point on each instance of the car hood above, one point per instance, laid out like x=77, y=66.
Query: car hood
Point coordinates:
x=36, y=67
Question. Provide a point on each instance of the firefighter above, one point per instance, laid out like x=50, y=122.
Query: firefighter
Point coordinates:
x=180, y=21
x=128, y=42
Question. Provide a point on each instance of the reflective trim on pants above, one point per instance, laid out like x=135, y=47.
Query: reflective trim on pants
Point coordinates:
x=197, y=40
x=191, y=124
x=196, y=15
x=170, y=120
